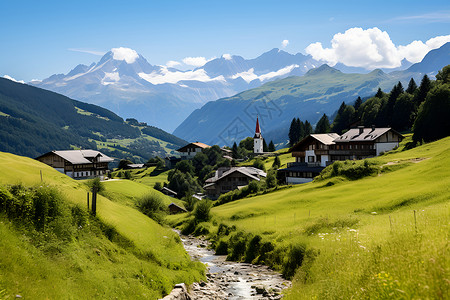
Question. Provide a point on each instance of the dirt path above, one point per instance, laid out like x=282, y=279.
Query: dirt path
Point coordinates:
x=231, y=280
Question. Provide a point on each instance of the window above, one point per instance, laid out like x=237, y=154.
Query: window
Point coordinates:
x=310, y=159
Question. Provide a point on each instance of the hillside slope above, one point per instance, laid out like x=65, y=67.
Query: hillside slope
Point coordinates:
x=133, y=257
x=380, y=236
x=35, y=121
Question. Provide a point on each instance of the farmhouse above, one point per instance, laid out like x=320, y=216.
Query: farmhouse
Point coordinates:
x=230, y=178
x=190, y=150
x=316, y=151
x=77, y=164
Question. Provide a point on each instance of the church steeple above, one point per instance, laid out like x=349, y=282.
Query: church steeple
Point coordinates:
x=257, y=130
x=257, y=139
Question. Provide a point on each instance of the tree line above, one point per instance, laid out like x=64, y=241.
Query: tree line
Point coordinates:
x=423, y=109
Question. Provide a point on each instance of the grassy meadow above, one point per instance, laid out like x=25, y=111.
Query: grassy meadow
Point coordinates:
x=122, y=253
x=383, y=236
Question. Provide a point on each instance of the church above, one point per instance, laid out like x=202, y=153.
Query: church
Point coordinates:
x=258, y=140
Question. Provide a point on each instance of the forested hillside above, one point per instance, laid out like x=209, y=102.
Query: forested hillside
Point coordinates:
x=35, y=121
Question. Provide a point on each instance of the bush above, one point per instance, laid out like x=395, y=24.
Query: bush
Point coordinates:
x=153, y=206
x=202, y=210
x=253, y=187
x=222, y=248
x=96, y=183
x=252, y=250
x=294, y=260
x=259, y=164
x=189, y=202
x=158, y=186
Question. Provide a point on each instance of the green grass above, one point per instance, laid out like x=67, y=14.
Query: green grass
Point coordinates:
x=128, y=191
x=268, y=162
x=362, y=228
x=159, y=263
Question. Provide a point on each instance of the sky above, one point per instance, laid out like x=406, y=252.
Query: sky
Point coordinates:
x=41, y=38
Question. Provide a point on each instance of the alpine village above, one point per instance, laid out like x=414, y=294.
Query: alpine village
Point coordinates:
x=323, y=174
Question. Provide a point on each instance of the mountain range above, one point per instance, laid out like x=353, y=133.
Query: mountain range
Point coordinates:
x=34, y=121
x=127, y=84
x=308, y=97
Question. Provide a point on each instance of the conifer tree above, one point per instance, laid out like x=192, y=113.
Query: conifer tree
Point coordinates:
x=235, y=151
x=358, y=103
x=265, y=148
x=308, y=128
x=271, y=147
x=276, y=162
x=379, y=93
x=323, y=126
x=412, y=86
x=424, y=88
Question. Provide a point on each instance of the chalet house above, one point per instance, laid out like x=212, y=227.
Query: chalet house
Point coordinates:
x=316, y=151
x=227, y=179
x=190, y=150
x=360, y=143
x=312, y=155
x=78, y=164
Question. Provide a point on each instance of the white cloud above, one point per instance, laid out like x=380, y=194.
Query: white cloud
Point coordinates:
x=227, y=56
x=126, y=54
x=195, y=61
x=371, y=48
x=94, y=52
x=167, y=76
x=172, y=63
x=285, y=43
x=249, y=75
x=13, y=79
x=110, y=78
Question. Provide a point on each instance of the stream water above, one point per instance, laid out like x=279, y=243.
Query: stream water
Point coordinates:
x=232, y=280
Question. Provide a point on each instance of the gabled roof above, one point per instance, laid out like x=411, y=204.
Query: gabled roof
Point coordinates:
x=250, y=172
x=324, y=138
x=77, y=157
x=169, y=191
x=193, y=145
x=368, y=134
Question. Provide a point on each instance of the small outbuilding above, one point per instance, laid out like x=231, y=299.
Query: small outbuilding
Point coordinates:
x=176, y=209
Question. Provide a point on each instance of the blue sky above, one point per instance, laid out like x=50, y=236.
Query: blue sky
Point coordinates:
x=38, y=38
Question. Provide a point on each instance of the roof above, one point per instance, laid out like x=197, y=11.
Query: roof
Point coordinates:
x=257, y=130
x=195, y=145
x=250, y=172
x=135, y=166
x=77, y=157
x=177, y=206
x=368, y=134
x=324, y=138
x=169, y=190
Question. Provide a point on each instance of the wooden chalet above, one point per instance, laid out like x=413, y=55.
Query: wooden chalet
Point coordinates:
x=227, y=179
x=78, y=164
x=316, y=151
x=190, y=150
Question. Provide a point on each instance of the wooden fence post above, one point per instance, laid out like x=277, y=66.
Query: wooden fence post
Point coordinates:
x=94, y=201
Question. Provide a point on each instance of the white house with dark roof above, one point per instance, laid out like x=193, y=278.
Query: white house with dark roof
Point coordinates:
x=77, y=164
x=190, y=150
x=316, y=151
x=230, y=178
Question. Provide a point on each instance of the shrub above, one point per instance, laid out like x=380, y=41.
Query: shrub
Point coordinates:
x=222, y=248
x=158, y=186
x=189, y=202
x=253, y=187
x=259, y=164
x=96, y=183
x=202, y=210
x=153, y=206
x=294, y=260
x=252, y=250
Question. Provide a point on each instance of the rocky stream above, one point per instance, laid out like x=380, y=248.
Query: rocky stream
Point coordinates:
x=232, y=280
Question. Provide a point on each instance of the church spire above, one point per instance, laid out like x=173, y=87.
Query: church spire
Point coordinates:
x=257, y=130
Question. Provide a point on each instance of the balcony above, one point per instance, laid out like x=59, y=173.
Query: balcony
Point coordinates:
x=303, y=164
x=354, y=152
x=298, y=153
